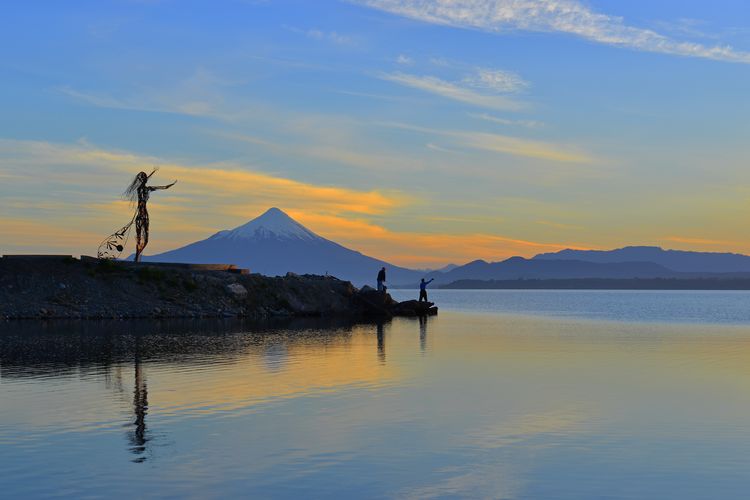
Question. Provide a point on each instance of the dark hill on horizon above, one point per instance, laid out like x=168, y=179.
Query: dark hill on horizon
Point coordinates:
x=676, y=260
x=519, y=268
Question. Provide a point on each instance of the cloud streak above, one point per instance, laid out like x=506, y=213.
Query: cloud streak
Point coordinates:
x=496, y=80
x=505, y=121
x=552, y=16
x=318, y=34
x=497, y=143
x=454, y=91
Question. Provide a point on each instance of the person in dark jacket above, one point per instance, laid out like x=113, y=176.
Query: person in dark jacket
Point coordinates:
x=423, y=289
x=381, y=280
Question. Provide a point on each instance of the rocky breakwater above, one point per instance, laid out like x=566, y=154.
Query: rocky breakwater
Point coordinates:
x=64, y=287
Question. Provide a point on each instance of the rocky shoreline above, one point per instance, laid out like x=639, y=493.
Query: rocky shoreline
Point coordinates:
x=59, y=287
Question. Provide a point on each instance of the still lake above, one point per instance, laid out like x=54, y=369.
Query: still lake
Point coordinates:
x=505, y=394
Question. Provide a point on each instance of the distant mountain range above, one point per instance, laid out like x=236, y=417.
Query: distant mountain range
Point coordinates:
x=274, y=244
x=519, y=268
x=676, y=260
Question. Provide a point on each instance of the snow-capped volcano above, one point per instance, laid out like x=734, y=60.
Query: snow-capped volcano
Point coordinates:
x=274, y=244
x=273, y=224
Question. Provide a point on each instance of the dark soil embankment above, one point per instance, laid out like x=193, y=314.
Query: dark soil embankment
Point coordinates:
x=70, y=288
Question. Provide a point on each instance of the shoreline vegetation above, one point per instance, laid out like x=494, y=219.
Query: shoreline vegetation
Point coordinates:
x=62, y=287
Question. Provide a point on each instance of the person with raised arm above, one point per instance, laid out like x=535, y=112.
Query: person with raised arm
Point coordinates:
x=423, y=289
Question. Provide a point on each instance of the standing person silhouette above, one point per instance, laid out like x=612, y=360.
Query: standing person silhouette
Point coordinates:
x=423, y=289
x=381, y=280
x=139, y=192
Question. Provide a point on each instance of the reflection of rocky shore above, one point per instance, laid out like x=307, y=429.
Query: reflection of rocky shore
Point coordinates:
x=69, y=288
x=233, y=356
x=112, y=348
x=37, y=348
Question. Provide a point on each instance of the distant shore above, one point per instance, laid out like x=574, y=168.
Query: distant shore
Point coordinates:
x=603, y=284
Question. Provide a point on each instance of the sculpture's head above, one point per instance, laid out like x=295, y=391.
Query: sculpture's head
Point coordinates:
x=131, y=193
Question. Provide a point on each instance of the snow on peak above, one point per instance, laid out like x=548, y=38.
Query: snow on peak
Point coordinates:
x=274, y=223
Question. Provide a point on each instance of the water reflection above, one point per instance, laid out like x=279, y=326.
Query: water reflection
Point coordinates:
x=223, y=365
x=423, y=333
x=381, y=342
x=502, y=407
x=138, y=437
x=62, y=348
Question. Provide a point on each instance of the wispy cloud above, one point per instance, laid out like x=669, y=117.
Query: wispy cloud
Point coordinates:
x=524, y=147
x=327, y=36
x=497, y=80
x=505, y=121
x=404, y=59
x=105, y=101
x=201, y=94
x=370, y=95
x=330, y=36
x=438, y=148
x=455, y=91
x=505, y=144
x=560, y=16
x=558, y=225
x=700, y=241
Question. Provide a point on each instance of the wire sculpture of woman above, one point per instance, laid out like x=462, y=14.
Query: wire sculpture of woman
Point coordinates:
x=138, y=192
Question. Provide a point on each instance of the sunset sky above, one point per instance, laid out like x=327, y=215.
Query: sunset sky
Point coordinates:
x=421, y=132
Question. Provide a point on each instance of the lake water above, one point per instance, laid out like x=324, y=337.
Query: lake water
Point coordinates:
x=505, y=394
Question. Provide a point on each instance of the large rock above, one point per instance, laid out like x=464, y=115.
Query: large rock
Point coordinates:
x=414, y=308
x=372, y=303
x=237, y=290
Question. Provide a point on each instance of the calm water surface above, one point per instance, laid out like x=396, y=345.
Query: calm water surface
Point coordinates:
x=505, y=394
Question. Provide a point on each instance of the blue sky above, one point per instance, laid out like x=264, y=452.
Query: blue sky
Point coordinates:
x=421, y=132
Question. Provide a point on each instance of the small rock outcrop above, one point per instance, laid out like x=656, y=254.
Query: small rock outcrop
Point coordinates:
x=237, y=290
x=372, y=303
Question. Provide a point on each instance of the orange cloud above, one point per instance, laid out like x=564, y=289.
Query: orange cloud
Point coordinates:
x=699, y=241
x=420, y=249
x=19, y=235
x=208, y=199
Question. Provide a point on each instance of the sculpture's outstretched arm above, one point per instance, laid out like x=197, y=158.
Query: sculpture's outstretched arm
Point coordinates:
x=154, y=188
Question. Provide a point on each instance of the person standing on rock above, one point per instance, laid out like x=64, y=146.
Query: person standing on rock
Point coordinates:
x=423, y=289
x=381, y=280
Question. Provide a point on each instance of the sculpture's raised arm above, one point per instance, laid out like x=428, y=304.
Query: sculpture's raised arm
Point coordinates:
x=154, y=188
